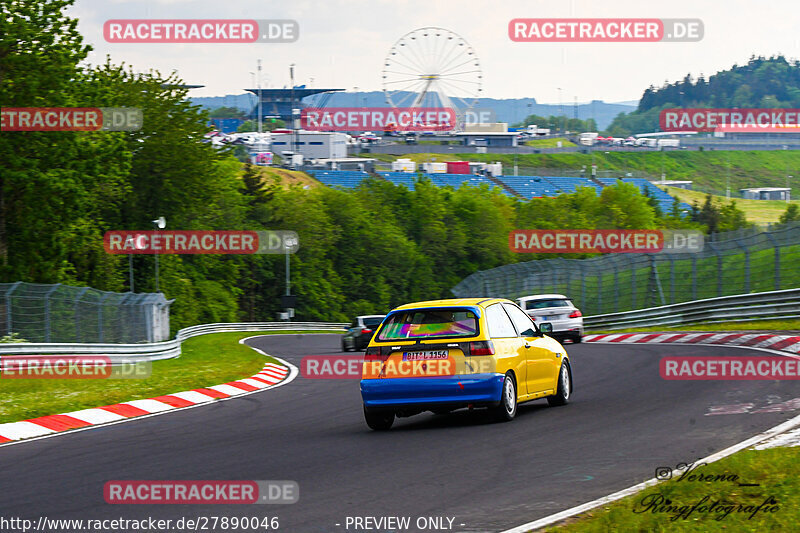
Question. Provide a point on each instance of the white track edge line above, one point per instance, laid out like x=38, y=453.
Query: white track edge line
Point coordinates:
x=766, y=435
x=549, y=520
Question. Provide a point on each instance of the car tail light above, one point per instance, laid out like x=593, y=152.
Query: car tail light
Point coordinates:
x=365, y=331
x=576, y=314
x=481, y=348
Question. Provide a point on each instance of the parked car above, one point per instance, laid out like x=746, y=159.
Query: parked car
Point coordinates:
x=444, y=355
x=360, y=332
x=558, y=310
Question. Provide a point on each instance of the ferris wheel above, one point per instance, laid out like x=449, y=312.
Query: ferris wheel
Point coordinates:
x=432, y=67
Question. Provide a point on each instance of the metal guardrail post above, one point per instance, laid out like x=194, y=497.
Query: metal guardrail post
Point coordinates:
x=100, y=316
x=47, y=311
x=776, y=261
x=9, y=321
x=719, y=267
x=671, y=279
x=616, y=285
x=78, y=320
x=746, y=266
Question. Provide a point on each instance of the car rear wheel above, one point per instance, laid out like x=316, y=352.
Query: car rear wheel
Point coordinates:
x=507, y=409
x=577, y=338
x=344, y=346
x=380, y=421
x=564, y=389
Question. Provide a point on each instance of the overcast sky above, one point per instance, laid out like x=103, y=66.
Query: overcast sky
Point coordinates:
x=343, y=43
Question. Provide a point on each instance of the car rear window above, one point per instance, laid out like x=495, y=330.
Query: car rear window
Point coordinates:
x=372, y=321
x=429, y=323
x=541, y=304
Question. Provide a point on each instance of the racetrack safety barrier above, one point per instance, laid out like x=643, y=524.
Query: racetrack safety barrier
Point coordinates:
x=127, y=353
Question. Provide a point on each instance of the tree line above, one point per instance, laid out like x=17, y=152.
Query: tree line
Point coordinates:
x=361, y=251
x=762, y=82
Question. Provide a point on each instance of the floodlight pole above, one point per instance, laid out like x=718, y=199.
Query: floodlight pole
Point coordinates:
x=260, y=113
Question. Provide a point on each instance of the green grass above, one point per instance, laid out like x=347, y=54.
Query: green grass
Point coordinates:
x=550, y=143
x=758, y=211
x=205, y=360
x=774, y=469
x=755, y=325
x=708, y=169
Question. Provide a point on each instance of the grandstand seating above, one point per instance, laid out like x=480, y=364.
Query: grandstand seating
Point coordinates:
x=400, y=178
x=569, y=185
x=527, y=186
x=340, y=178
x=530, y=186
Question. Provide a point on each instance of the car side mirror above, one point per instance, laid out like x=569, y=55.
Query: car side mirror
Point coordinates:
x=546, y=327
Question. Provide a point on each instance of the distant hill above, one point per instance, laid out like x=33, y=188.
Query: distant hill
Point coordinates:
x=760, y=83
x=506, y=110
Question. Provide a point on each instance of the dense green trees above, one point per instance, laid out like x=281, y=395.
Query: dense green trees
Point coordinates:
x=361, y=251
x=761, y=83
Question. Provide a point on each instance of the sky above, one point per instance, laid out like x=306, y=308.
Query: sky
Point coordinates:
x=344, y=43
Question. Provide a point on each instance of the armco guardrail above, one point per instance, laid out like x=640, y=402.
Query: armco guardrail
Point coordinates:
x=741, y=307
x=119, y=353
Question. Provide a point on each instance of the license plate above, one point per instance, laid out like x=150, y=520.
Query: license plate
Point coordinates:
x=428, y=355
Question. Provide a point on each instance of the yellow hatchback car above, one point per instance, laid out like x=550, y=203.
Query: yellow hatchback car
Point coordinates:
x=443, y=355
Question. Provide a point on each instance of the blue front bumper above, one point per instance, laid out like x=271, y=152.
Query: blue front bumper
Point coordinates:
x=437, y=391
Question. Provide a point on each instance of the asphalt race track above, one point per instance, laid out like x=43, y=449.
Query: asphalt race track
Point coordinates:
x=623, y=422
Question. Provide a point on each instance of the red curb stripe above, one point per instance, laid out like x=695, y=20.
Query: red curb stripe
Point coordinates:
x=174, y=401
x=673, y=338
x=648, y=338
x=623, y=337
x=125, y=410
x=244, y=386
x=756, y=340
x=784, y=343
x=213, y=393
x=262, y=380
x=726, y=339
x=699, y=338
x=58, y=422
x=3, y=439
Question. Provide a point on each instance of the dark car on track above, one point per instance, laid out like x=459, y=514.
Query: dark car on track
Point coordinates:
x=360, y=332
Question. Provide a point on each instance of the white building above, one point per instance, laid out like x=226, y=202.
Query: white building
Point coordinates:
x=312, y=144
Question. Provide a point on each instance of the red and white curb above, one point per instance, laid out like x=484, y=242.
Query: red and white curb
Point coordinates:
x=272, y=375
x=784, y=344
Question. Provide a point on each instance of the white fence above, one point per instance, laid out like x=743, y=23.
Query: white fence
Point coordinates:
x=123, y=353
